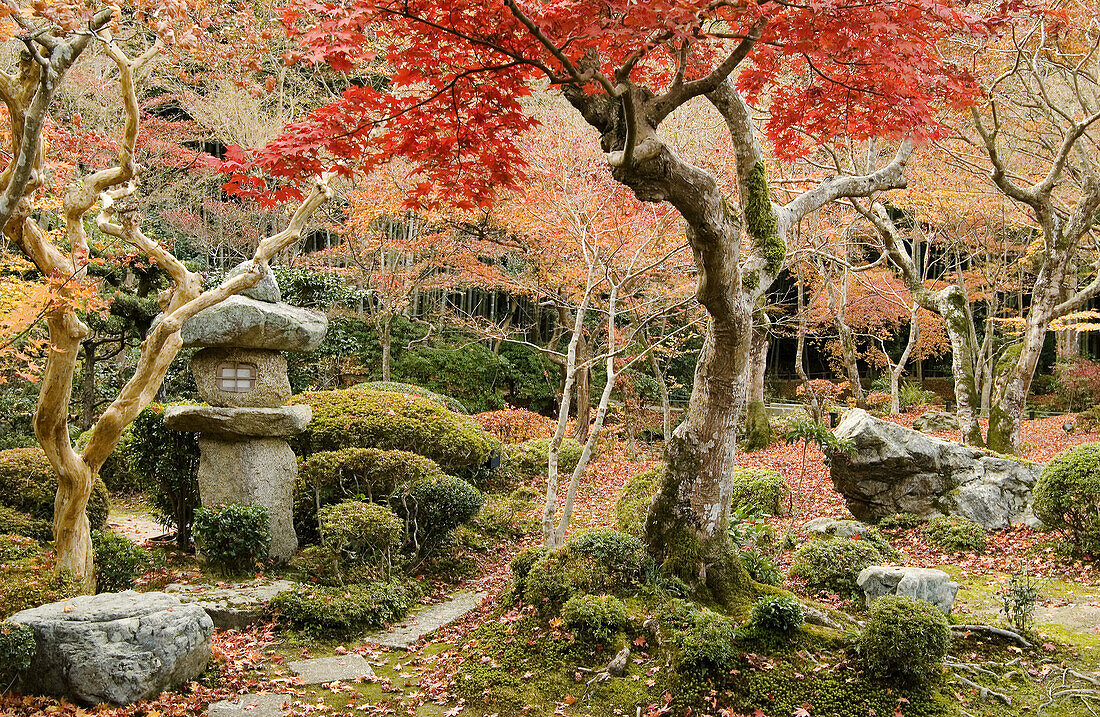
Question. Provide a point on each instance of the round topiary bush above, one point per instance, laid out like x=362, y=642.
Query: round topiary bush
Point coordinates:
x=623, y=556
x=360, y=418
x=28, y=485
x=955, y=535
x=15, y=523
x=777, y=614
x=360, y=531
x=596, y=618
x=760, y=489
x=433, y=507
x=528, y=460
x=233, y=537
x=905, y=639
x=1067, y=495
x=834, y=564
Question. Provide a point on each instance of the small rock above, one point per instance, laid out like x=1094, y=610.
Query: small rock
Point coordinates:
x=268, y=288
x=268, y=704
x=836, y=528
x=933, y=586
x=231, y=608
x=235, y=423
x=931, y=421
x=329, y=669
x=240, y=322
x=115, y=647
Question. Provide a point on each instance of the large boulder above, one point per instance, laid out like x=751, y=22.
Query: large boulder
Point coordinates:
x=898, y=470
x=241, y=322
x=115, y=647
x=930, y=585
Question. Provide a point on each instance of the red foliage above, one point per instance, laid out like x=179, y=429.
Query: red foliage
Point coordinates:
x=447, y=80
x=516, y=425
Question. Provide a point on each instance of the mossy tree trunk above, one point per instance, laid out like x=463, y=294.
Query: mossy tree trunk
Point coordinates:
x=686, y=526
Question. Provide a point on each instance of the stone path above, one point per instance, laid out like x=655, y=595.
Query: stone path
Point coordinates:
x=321, y=670
x=427, y=621
x=265, y=705
x=231, y=608
x=1079, y=617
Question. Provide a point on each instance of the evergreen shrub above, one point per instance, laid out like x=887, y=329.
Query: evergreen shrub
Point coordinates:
x=169, y=460
x=955, y=535
x=451, y=404
x=233, y=537
x=360, y=531
x=905, y=639
x=834, y=564
x=361, y=418
x=17, y=648
x=1067, y=495
x=16, y=523
x=341, y=610
x=32, y=579
x=28, y=485
x=595, y=618
x=760, y=489
x=623, y=556
x=118, y=562
x=526, y=461
x=777, y=614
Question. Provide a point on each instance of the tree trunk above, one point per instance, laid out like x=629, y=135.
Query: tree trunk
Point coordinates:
x=758, y=360
x=666, y=403
x=584, y=389
x=87, y=397
x=387, y=347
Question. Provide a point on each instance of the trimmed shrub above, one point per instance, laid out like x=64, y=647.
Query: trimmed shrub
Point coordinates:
x=900, y=520
x=233, y=537
x=1067, y=495
x=118, y=562
x=466, y=370
x=633, y=505
x=33, y=580
x=501, y=514
x=955, y=535
x=905, y=639
x=16, y=523
x=361, y=473
x=360, y=531
x=834, y=564
x=360, y=418
x=319, y=564
x=343, y=609
x=17, y=648
x=561, y=573
x=451, y=404
x=17, y=547
x=528, y=460
x=516, y=425
x=169, y=460
x=28, y=485
x=623, y=556
x=596, y=618
x=777, y=614
x=433, y=507
x=521, y=565
x=708, y=645
x=760, y=489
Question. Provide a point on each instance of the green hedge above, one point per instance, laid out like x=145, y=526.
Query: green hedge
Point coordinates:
x=30, y=577
x=1067, y=495
x=955, y=534
x=905, y=639
x=528, y=460
x=341, y=610
x=361, y=418
x=834, y=564
x=28, y=485
x=451, y=404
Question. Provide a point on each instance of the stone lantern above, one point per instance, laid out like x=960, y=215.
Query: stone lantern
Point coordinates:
x=242, y=374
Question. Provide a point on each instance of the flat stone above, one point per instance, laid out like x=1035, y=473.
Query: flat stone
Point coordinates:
x=272, y=387
x=329, y=669
x=898, y=470
x=268, y=704
x=258, y=471
x=428, y=621
x=238, y=423
x=241, y=322
x=936, y=421
x=115, y=647
x=836, y=528
x=231, y=608
x=268, y=288
x=928, y=584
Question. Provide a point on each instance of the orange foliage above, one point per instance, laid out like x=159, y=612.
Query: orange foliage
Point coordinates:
x=516, y=425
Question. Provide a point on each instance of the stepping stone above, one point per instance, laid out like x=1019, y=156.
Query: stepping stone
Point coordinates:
x=428, y=621
x=231, y=608
x=265, y=705
x=329, y=669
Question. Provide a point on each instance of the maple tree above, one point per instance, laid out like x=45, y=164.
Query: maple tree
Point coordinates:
x=53, y=38
x=460, y=73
